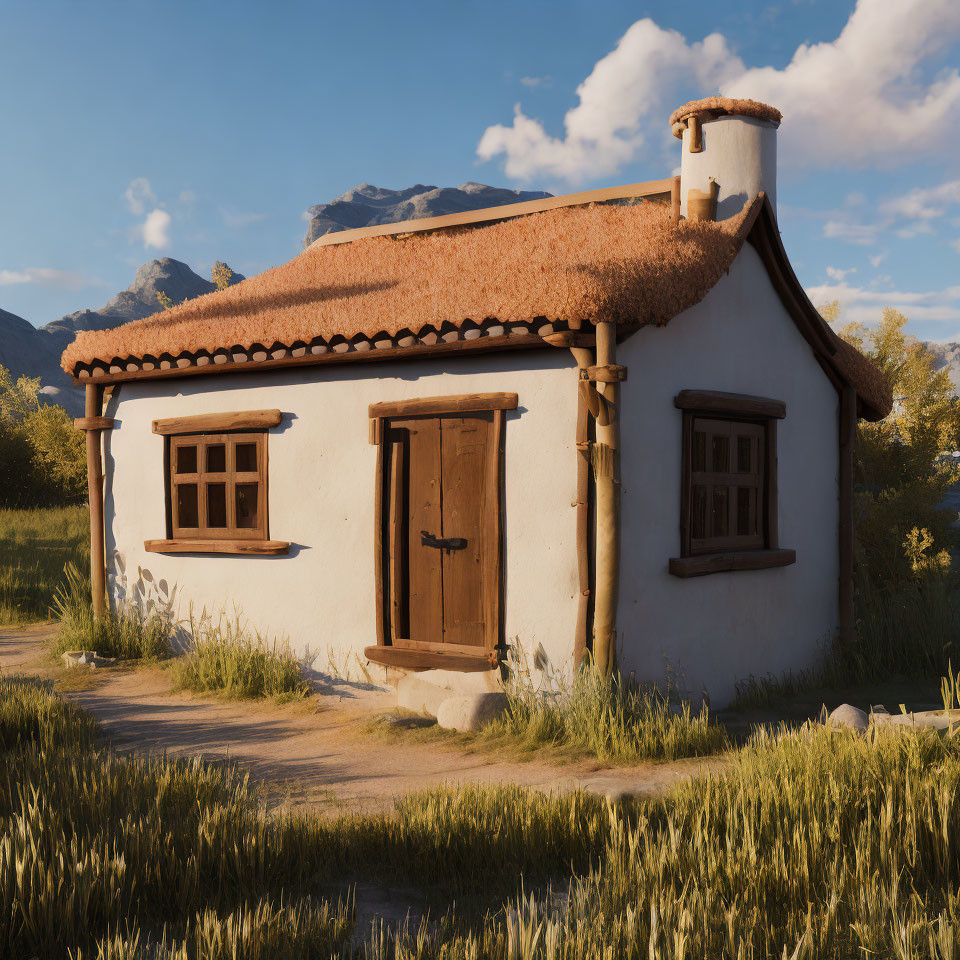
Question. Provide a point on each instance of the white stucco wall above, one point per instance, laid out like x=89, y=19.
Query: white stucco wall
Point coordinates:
x=740, y=153
x=321, y=493
x=703, y=633
x=708, y=632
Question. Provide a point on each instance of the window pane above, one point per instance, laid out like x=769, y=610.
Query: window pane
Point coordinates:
x=746, y=523
x=720, y=511
x=721, y=454
x=216, y=504
x=187, y=503
x=186, y=460
x=246, y=454
x=743, y=454
x=216, y=458
x=699, y=451
x=698, y=512
x=247, y=505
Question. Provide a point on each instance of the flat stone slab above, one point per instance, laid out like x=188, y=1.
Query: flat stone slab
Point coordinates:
x=924, y=720
x=87, y=658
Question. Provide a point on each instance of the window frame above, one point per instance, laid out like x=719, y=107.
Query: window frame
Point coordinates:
x=204, y=431
x=757, y=550
x=729, y=479
x=230, y=477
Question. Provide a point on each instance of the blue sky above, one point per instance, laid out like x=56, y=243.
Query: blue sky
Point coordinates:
x=203, y=130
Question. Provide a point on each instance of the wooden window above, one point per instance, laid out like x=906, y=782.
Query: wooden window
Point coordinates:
x=729, y=484
x=217, y=484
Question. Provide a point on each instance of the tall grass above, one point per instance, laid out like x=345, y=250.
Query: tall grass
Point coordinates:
x=818, y=844
x=126, y=634
x=226, y=657
x=606, y=717
x=34, y=547
x=905, y=631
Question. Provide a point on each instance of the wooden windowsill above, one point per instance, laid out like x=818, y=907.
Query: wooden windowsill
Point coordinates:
x=413, y=659
x=733, y=560
x=241, y=547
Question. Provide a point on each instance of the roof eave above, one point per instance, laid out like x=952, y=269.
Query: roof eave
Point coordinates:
x=875, y=399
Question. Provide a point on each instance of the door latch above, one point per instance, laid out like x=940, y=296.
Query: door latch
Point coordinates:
x=442, y=543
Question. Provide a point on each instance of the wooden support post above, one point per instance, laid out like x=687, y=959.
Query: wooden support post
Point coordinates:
x=848, y=430
x=92, y=404
x=606, y=469
x=584, y=358
x=675, y=199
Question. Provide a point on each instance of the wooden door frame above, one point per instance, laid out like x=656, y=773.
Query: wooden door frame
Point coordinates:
x=457, y=657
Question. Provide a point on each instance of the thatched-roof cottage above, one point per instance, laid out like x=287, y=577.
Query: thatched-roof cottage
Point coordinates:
x=610, y=421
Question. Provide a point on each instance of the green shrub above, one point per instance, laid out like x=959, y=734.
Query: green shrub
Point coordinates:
x=606, y=717
x=34, y=547
x=126, y=634
x=225, y=658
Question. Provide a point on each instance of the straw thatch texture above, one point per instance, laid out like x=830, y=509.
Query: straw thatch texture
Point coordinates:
x=720, y=107
x=627, y=264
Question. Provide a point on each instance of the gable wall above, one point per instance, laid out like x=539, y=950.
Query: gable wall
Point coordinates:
x=321, y=492
x=707, y=632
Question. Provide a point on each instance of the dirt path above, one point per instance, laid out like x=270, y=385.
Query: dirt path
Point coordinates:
x=315, y=754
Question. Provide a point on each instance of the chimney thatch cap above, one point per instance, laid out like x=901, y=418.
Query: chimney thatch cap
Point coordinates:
x=712, y=107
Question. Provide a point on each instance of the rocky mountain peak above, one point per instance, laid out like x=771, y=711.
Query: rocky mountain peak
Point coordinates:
x=367, y=205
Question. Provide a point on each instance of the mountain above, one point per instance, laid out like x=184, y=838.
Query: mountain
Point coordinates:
x=25, y=350
x=948, y=355
x=28, y=351
x=367, y=205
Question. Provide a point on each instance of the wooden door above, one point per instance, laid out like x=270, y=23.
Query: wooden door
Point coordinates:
x=442, y=531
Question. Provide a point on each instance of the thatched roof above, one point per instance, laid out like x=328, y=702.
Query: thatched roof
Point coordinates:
x=628, y=264
x=568, y=267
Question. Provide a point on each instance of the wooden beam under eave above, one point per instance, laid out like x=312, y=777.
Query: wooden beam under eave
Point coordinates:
x=486, y=344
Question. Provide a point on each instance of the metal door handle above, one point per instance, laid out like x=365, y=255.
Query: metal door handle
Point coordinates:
x=442, y=543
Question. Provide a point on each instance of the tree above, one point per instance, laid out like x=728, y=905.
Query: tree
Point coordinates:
x=42, y=458
x=900, y=474
x=221, y=275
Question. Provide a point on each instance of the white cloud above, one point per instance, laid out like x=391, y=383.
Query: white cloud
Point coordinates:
x=537, y=81
x=155, y=230
x=835, y=273
x=237, y=221
x=47, y=277
x=862, y=234
x=936, y=313
x=625, y=88
x=858, y=100
x=139, y=196
x=924, y=203
x=878, y=259
x=955, y=244
x=914, y=229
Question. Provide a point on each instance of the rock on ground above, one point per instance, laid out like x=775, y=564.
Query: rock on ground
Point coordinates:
x=849, y=716
x=467, y=714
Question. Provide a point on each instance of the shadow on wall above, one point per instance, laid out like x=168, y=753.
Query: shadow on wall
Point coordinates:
x=146, y=597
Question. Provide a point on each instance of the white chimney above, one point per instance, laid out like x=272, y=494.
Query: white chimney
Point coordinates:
x=729, y=150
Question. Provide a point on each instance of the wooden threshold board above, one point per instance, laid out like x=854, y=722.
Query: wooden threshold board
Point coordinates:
x=427, y=660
